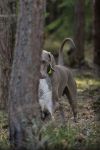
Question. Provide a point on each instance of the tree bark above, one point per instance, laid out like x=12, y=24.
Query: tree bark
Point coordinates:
x=79, y=37
x=7, y=36
x=24, y=116
x=96, y=32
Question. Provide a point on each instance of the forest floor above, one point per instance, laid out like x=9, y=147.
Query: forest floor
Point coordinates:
x=83, y=135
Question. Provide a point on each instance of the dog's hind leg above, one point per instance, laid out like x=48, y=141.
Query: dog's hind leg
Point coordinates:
x=72, y=101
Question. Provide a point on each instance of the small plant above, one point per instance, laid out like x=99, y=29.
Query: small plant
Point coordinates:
x=4, y=142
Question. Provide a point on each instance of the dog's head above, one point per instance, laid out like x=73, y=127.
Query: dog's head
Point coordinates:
x=47, y=64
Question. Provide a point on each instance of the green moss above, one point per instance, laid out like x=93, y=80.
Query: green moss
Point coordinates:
x=4, y=142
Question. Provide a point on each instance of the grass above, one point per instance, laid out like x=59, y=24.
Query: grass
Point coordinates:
x=4, y=142
x=72, y=136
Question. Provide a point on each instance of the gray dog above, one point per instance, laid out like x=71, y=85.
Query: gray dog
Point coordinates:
x=56, y=81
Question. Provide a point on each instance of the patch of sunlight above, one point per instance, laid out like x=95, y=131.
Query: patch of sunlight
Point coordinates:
x=87, y=83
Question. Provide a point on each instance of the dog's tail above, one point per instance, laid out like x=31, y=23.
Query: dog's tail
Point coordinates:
x=73, y=47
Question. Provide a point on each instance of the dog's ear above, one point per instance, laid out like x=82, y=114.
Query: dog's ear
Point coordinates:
x=52, y=60
x=49, y=70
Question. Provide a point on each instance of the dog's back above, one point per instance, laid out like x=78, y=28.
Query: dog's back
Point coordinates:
x=64, y=78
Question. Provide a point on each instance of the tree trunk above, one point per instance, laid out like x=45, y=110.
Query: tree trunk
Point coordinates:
x=7, y=36
x=24, y=116
x=96, y=32
x=78, y=57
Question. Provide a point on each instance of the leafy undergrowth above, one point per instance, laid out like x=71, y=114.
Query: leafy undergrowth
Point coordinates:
x=83, y=135
x=4, y=142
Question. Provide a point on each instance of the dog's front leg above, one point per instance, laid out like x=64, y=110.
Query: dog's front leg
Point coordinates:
x=57, y=105
x=55, y=98
x=61, y=112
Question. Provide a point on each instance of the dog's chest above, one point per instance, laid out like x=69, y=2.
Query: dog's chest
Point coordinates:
x=45, y=95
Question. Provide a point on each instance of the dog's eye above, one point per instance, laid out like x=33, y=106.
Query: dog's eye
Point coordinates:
x=43, y=62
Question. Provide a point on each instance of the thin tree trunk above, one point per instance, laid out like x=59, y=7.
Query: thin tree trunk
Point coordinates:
x=96, y=32
x=7, y=34
x=79, y=38
x=24, y=116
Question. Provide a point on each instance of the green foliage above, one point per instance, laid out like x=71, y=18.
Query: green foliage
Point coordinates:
x=60, y=19
x=4, y=143
x=58, y=135
x=62, y=25
x=72, y=136
x=53, y=25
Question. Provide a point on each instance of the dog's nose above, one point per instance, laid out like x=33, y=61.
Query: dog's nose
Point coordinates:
x=42, y=76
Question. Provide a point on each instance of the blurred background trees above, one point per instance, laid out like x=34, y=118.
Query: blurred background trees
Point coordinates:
x=79, y=32
x=96, y=33
x=68, y=18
